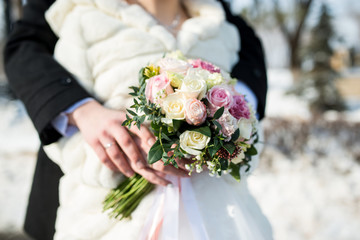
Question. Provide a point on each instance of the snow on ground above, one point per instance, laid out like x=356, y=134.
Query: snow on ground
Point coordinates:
x=308, y=181
x=18, y=144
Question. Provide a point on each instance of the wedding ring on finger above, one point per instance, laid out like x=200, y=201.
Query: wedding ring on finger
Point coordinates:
x=108, y=145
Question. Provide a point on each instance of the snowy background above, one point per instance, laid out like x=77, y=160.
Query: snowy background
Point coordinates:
x=308, y=181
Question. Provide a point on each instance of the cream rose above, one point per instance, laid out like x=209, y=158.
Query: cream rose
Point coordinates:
x=194, y=84
x=174, y=106
x=214, y=79
x=239, y=158
x=192, y=142
x=245, y=127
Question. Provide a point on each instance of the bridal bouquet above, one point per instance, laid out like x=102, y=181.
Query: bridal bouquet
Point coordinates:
x=195, y=113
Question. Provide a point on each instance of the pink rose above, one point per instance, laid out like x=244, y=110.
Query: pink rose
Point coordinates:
x=239, y=108
x=219, y=96
x=173, y=65
x=157, y=88
x=198, y=63
x=228, y=124
x=195, y=112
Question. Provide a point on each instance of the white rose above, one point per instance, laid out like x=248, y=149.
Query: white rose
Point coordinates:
x=192, y=142
x=245, y=127
x=174, y=106
x=194, y=83
x=173, y=65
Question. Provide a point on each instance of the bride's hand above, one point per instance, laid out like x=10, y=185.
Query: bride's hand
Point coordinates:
x=114, y=145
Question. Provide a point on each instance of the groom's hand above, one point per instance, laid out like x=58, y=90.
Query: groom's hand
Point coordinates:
x=114, y=145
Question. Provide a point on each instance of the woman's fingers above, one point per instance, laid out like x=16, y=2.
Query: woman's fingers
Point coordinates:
x=151, y=175
x=136, y=159
x=182, y=162
x=129, y=147
x=145, y=135
x=161, y=170
x=117, y=157
x=103, y=157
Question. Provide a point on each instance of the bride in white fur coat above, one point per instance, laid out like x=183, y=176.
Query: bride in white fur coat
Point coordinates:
x=104, y=43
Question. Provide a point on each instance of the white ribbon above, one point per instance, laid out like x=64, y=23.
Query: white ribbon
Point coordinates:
x=192, y=211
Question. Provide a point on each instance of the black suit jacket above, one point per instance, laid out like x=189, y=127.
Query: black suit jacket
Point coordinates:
x=47, y=89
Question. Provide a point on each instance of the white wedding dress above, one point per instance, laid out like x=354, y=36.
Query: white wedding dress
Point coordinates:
x=104, y=43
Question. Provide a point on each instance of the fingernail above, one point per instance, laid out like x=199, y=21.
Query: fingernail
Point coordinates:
x=129, y=173
x=140, y=164
x=151, y=141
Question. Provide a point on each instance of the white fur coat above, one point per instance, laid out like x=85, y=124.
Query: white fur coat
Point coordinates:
x=104, y=43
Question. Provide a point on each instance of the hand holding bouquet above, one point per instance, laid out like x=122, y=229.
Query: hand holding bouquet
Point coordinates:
x=195, y=113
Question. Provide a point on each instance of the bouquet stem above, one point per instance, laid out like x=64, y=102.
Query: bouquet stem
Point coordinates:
x=124, y=199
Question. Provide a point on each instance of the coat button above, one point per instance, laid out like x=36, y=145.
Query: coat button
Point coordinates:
x=65, y=81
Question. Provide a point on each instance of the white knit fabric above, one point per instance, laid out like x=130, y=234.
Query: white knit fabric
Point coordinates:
x=104, y=43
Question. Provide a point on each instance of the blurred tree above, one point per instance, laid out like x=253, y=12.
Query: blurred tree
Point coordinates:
x=290, y=19
x=318, y=80
x=292, y=26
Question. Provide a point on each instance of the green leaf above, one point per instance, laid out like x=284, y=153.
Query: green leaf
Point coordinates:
x=155, y=126
x=131, y=112
x=230, y=147
x=177, y=124
x=213, y=150
x=126, y=123
x=135, y=89
x=235, y=171
x=205, y=101
x=224, y=163
x=217, y=124
x=236, y=135
x=165, y=156
x=155, y=153
x=218, y=113
x=203, y=130
x=146, y=111
x=251, y=151
x=164, y=136
x=256, y=135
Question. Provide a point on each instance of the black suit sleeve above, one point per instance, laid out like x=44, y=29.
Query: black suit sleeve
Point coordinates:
x=251, y=67
x=40, y=82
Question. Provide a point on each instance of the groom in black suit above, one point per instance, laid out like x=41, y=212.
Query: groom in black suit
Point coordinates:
x=47, y=89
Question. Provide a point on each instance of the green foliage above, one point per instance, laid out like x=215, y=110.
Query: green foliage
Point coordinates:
x=219, y=113
x=251, y=151
x=230, y=147
x=203, y=130
x=155, y=153
x=235, y=171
